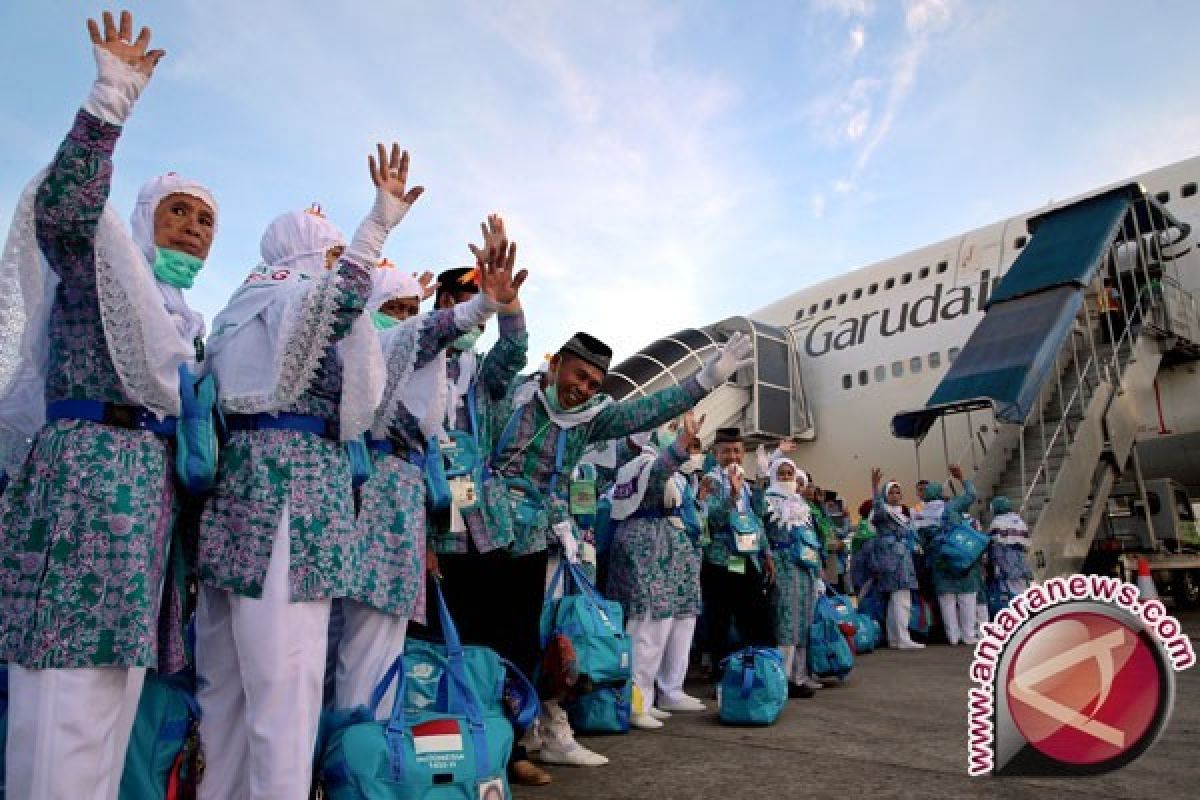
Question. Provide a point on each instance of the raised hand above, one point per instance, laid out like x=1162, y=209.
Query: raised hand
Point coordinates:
x=734, y=354
x=787, y=446
x=690, y=433
x=118, y=41
x=390, y=175
x=428, y=285
x=956, y=472
x=494, y=264
x=876, y=478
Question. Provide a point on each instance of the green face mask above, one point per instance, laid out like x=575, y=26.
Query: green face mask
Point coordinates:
x=467, y=340
x=665, y=438
x=383, y=321
x=175, y=268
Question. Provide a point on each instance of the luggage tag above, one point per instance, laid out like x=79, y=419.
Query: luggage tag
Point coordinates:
x=583, y=498
x=492, y=789
x=462, y=493
x=737, y=564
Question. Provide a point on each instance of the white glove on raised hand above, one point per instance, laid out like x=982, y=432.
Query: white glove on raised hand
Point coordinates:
x=392, y=202
x=116, y=88
x=733, y=355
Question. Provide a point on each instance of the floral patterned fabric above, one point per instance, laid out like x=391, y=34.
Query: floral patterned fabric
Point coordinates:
x=654, y=569
x=792, y=595
x=890, y=554
x=84, y=524
x=260, y=471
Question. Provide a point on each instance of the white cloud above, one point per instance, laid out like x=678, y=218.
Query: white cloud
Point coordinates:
x=816, y=205
x=923, y=16
x=848, y=8
x=843, y=186
x=858, y=39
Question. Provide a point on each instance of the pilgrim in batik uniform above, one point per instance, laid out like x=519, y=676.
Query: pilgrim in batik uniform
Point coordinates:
x=391, y=518
x=654, y=570
x=956, y=591
x=1008, y=551
x=890, y=560
x=300, y=371
x=548, y=423
x=798, y=556
x=91, y=376
x=734, y=583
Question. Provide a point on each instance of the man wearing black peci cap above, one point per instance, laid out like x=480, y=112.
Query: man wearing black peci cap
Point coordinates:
x=737, y=561
x=541, y=435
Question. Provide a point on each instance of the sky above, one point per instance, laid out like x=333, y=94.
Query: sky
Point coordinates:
x=660, y=165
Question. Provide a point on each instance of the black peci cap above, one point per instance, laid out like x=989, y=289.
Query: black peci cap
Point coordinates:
x=727, y=435
x=590, y=349
x=459, y=279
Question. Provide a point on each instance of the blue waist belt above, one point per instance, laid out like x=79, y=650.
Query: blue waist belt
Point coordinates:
x=396, y=448
x=661, y=513
x=115, y=414
x=301, y=423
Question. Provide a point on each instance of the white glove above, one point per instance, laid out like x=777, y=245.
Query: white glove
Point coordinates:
x=475, y=312
x=570, y=545
x=733, y=355
x=367, y=245
x=116, y=88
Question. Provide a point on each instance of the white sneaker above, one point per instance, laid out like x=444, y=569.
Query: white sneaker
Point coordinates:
x=573, y=755
x=532, y=741
x=685, y=702
x=970, y=642
x=812, y=684
x=909, y=646
x=658, y=713
x=645, y=722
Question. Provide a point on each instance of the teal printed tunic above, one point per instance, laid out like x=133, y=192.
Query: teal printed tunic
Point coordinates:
x=720, y=550
x=946, y=581
x=531, y=453
x=654, y=569
x=390, y=526
x=85, y=523
x=792, y=597
x=261, y=471
x=487, y=528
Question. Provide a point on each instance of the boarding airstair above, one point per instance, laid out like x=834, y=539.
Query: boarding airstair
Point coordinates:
x=1064, y=363
x=765, y=400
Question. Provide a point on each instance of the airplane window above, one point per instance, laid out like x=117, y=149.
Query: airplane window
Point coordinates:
x=826, y=304
x=880, y=373
x=1163, y=197
x=1187, y=190
x=873, y=288
x=942, y=267
x=799, y=314
x=952, y=354
x=1020, y=242
x=906, y=278
x=857, y=294
x=924, y=273
x=812, y=309
x=864, y=377
x=914, y=364
x=842, y=299
x=847, y=381
x=935, y=360
x=889, y=283
x=897, y=369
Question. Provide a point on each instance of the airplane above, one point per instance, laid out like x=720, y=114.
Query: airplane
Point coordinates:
x=878, y=340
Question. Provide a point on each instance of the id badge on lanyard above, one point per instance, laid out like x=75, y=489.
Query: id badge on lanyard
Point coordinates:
x=583, y=498
x=745, y=530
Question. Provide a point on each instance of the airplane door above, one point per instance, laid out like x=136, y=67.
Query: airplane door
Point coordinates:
x=980, y=252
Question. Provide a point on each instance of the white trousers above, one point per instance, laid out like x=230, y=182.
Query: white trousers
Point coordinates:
x=68, y=730
x=370, y=643
x=795, y=663
x=660, y=655
x=958, y=615
x=898, y=613
x=261, y=665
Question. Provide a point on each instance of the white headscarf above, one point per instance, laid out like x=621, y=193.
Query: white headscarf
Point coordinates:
x=895, y=512
x=148, y=328
x=267, y=344
x=789, y=507
x=633, y=478
x=390, y=281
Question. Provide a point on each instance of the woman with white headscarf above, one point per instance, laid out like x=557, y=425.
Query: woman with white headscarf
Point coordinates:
x=891, y=559
x=654, y=572
x=299, y=371
x=798, y=555
x=95, y=329
x=390, y=525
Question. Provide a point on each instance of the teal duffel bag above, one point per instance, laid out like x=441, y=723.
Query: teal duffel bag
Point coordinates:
x=594, y=624
x=163, y=746
x=961, y=547
x=829, y=654
x=753, y=688
x=445, y=739
x=607, y=709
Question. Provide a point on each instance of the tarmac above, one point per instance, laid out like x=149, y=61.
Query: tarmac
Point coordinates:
x=896, y=728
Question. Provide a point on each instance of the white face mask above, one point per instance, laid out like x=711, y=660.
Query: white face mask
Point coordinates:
x=787, y=486
x=693, y=463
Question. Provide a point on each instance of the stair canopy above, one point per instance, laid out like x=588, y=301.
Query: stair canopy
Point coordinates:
x=1011, y=353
